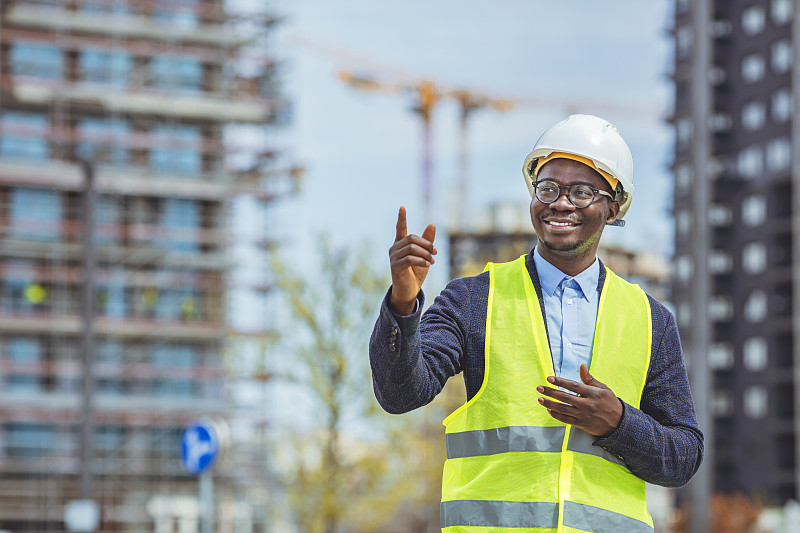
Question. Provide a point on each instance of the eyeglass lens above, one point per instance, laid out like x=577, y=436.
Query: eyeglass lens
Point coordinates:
x=548, y=192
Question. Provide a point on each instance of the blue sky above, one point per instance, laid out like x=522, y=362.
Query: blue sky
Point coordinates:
x=363, y=150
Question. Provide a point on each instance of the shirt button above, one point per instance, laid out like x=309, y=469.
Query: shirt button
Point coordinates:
x=569, y=301
x=569, y=345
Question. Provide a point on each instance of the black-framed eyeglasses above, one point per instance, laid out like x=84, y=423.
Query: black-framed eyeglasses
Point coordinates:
x=581, y=195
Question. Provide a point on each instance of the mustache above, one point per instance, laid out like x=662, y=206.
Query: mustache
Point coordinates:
x=560, y=217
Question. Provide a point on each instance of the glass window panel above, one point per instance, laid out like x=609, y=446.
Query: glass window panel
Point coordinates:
x=755, y=354
x=24, y=136
x=753, y=19
x=35, y=214
x=754, y=210
x=779, y=154
x=755, y=307
x=720, y=356
x=782, y=105
x=722, y=403
x=755, y=401
x=104, y=141
x=180, y=73
x=781, y=11
x=720, y=262
x=29, y=440
x=753, y=68
x=37, y=60
x=781, y=56
x=179, y=150
x=100, y=66
x=684, y=268
x=754, y=114
x=23, y=349
x=183, y=355
x=750, y=162
x=754, y=258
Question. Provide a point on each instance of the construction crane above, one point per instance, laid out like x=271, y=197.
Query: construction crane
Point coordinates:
x=427, y=95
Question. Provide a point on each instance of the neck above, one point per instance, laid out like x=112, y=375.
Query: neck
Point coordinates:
x=569, y=262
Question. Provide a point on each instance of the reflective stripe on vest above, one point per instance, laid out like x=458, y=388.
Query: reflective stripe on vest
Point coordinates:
x=509, y=463
x=485, y=513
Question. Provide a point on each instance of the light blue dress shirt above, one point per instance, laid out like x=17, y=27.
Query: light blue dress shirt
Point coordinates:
x=570, y=304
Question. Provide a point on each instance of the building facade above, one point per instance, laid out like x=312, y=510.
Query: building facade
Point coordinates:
x=736, y=255
x=153, y=96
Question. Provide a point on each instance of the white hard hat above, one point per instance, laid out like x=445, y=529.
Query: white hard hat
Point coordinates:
x=597, y=143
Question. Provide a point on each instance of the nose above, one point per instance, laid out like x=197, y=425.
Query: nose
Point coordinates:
x=563, y=203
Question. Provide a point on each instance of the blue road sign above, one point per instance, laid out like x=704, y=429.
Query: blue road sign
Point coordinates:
x=199, y=447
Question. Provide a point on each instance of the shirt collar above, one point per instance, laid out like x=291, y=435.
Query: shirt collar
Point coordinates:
x=550, y=276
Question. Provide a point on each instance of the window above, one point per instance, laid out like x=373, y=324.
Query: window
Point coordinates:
x=683, y=178
x=754, y=210
x=107, y=219
x=24, y=136
x=754, y=258
x=178, y=304
x=684, y=314
x=753, y=68
x=720, y=356
x=28, y=440
x=177, y=73
x=104, y=141
x=782, y=105
x=683, y=221
x=753, y=19
x=719, y=215
x=111, y=300
x=683, y=132
x=182, y=218
x=684, y=39
x=184, y=355
x=750, y=162
x=781, y=56
x=35, y=214
x=23, y=349
x=755, y=401
x=99, y=66
x=755, y=307
x=684, y=268
x=753, y=115
x=720, y=308
x=781, y=11
x=109, y=352
x=179, y=150
x=779, y=154
x=755, y=354
x=20, y=290
x=720, y=262
x=722, y=403
x=37, y=60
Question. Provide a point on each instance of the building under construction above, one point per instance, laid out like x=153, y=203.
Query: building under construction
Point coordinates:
x=737, y=239
x=131, y=113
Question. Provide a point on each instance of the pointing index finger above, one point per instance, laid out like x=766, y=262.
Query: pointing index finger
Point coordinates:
x=402, y=228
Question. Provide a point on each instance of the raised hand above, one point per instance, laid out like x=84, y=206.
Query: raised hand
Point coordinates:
x=410, y=257
x=595, y=409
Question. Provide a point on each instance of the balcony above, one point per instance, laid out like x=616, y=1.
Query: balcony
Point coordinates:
x=205, y=31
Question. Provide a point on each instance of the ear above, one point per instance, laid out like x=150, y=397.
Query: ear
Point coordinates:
x=613, y=211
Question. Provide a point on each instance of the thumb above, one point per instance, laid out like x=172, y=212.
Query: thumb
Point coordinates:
x=430, y=234
x=588, y=379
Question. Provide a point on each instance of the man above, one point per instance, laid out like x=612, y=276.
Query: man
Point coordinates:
x=576, y=388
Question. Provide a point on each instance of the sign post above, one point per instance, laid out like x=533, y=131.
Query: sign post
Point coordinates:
x=202, y=445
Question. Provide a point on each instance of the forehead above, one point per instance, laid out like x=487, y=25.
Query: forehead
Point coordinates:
x=567, y=172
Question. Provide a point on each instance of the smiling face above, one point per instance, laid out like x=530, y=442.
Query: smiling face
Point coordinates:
x=568, y=236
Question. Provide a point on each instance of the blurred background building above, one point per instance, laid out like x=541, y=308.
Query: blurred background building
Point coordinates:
x=157, y=97
x=737, y=100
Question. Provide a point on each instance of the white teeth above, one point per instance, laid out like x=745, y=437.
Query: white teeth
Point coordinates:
x=560, y=224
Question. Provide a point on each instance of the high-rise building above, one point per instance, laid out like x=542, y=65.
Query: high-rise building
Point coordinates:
x=163, y=100
x=737, y=260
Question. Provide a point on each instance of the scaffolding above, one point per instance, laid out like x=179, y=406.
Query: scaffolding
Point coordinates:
x=155, y=95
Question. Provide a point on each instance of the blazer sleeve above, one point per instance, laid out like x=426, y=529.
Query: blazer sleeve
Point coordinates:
x=661, y=442
x=413, y=356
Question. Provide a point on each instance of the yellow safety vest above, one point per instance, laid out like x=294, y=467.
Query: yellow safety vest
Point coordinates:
x=509, y=463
